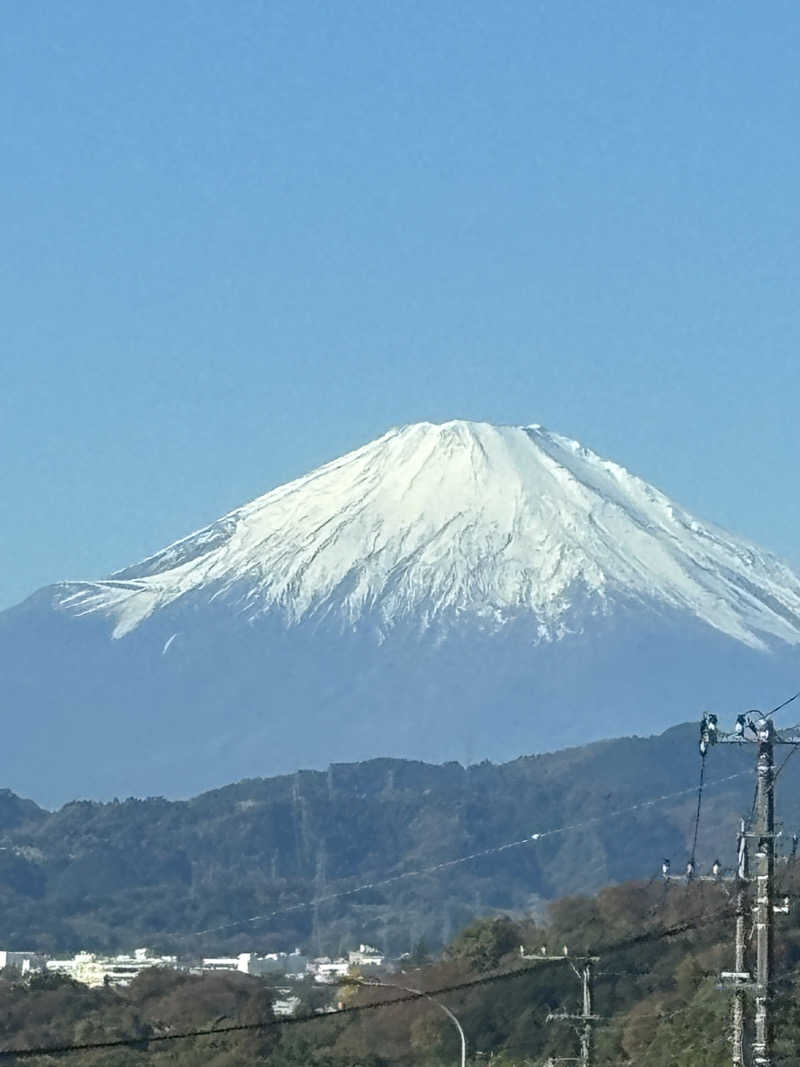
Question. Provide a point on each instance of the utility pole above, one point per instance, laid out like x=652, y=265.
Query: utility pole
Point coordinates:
x=764, y=831
x=739, y=964
x=587, y=1034
x=740, y=979
x=586, y=1016
x=754, y=727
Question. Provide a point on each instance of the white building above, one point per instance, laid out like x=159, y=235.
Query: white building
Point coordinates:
x=366, y=956
x=25, y=962
x=220, y=963
x=286, y=1003
x=325, y=969
x=94, y=970
x=291, y=963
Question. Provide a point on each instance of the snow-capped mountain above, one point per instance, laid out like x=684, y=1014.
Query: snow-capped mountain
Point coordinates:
x=421, y=596
x=431, y=521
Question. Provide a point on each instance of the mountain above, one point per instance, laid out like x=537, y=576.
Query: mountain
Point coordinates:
x=151, y=872
x=447, y=591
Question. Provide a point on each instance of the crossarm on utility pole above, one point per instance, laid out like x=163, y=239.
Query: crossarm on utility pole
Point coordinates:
x=586, y=1015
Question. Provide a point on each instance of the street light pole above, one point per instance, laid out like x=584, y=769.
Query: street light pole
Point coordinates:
x=438, y=1003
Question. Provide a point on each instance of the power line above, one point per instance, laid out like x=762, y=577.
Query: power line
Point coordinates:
x=697, y=813
x=783, y=705
x=702, y=977
x=792, y=751
x=354, y=1009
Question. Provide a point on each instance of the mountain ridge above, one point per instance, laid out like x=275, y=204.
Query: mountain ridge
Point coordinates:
x=151, y=871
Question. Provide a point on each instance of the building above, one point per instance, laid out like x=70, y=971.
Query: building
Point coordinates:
x=325, y=969
x=366, y=956
x=24, y=962
x=292, y=964
x=94, y=970
x=220, y=963
x=285, y=1003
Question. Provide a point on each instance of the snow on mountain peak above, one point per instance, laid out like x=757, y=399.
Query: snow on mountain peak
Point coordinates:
x=438, y=521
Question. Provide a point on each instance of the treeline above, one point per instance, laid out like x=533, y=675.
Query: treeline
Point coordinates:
x=656, y=996
x=51, y=1011
x=148, y=872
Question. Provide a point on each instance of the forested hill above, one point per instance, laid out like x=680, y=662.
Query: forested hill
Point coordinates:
x=150, y=871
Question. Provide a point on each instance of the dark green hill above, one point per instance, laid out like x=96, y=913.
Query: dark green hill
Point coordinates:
x=146, y=871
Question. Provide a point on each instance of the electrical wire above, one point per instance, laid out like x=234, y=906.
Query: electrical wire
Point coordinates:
x=648, y=974
x=274, y=1024
x=7, y=1053
x=697, y=813
x=783, y=705
x=792, y=751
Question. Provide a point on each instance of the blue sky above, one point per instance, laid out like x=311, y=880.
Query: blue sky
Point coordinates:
x=242, y=238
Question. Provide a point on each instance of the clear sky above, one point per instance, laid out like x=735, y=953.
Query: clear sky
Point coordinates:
x=241, y=238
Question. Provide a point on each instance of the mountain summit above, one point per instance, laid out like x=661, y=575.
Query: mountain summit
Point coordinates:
x=434, y=522
x=434, y=594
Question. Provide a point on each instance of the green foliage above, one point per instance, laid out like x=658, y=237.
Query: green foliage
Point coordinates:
x=420, y=954
x=657, y=998
x=484, y=943
x=52, y=1011
x=112, y=876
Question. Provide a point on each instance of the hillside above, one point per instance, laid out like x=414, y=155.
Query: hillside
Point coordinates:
x=657, y=997
x=152, y=871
